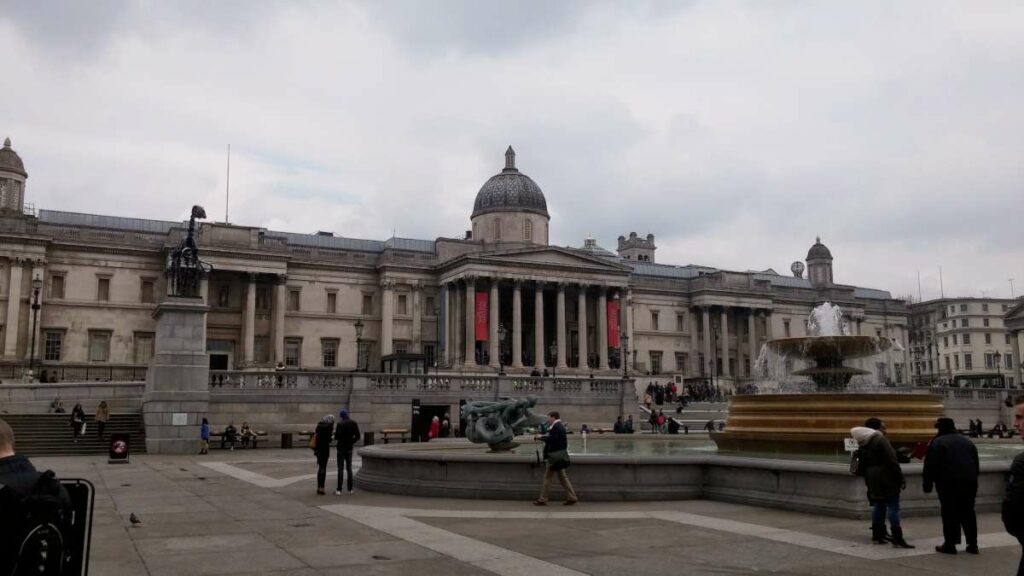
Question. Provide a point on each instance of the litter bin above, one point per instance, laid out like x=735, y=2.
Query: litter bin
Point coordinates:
x=367, y=438
x=286, y=440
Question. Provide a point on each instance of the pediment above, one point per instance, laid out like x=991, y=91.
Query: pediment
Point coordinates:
x=551, y=256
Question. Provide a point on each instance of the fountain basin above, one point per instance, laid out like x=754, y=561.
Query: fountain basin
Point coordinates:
x=819, y=423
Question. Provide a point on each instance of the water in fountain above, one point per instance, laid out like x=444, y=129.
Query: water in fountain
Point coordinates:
x=815, y=362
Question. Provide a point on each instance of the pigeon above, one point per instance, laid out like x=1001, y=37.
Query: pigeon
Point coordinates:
x=134, y=519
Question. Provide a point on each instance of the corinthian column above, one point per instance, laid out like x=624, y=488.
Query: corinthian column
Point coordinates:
x=709, y=361
x=752, y=335
x=517, y=325
x=560, y=336
x=538, y=326
x=13, y=308
x=470, y=321
x=725, y=343
x=249, y=321
x=492, y=328
x=602, y=328
x=581, y=331
x=387, y=322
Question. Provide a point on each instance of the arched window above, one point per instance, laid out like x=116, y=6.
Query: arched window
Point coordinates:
x=528, y=230
x=497, y=229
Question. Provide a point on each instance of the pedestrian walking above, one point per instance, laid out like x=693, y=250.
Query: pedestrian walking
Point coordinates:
x=102, y=417
x=556, y=458
x=884, y=479
x=435, y=428
x=346, y=434
x=322, y=450
x=1013, y=502
x=77, y=422
x=204, y=437
x=951, y=465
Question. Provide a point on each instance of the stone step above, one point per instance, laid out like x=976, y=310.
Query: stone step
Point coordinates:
x=51, y=435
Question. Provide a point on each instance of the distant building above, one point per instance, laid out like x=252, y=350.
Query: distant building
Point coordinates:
x=501, y=295
x=963, y=341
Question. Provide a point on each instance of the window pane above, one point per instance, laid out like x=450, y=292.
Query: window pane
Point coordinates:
x=99, y=346
x=292, y=348
x=329, y=352
x=367, y=304
x=103, y=290
x=293, y=300
x=143, y=348
x=332, y=302
x=147, y=291
x=52, y=349
x=57, y=287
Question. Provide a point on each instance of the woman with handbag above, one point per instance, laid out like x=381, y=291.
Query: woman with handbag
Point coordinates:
x=77, y=422
x=321, y=445
x=556, y=458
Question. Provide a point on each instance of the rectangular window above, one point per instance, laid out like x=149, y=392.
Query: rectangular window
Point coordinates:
x=261, y=349
x=103, y=289
x=963, y=307
x=701, y=364
x=968, y=362
x=654, y=321
x=655, y=362
x=146, y=296
x=681, y=362
x=293, y=300
x=142, y=347
x=430, y=309
x=746, y=365
x=367, y=304
x=954, y=339
x=403, y=305
x=99, y=346
x=1008, y=360
x=785, y=328
x=964, y=323
x=984, y=307
x=680, y=322
x=956, y=361
x=262, y=299
x=57, y=287
x=430, y=351
x=329, y=352
x=292, y=351
x=53, y=345
x=332, y=302
x=945, y=341
x=966, y=339
x=223, y=296
x=988, y=338
x=984, y=322
x=947, y=362
x=1007, y=336
x=990, y=361
x=401, y=347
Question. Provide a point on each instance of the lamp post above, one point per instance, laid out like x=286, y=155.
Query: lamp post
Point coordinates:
x=625, y=355
x=37, y=285
x=359, y=344
x=553, y=350
x=502, y=335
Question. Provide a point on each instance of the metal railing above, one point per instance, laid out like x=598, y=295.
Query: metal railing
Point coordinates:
x=75, y=372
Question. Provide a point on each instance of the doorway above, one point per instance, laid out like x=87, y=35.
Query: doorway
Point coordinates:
x=421, y=426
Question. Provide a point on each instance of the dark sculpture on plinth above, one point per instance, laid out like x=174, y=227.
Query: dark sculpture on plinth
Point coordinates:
x=496, y=423
x=185, y=269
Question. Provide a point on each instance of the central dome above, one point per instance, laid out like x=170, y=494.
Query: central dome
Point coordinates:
x=510, y=191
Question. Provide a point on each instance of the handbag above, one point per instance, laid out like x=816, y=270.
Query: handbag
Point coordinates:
x=855, y=464
x=312, y=442
x=558, y=460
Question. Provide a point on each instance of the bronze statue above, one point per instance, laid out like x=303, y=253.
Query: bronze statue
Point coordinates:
x=496, y=423
x=185, y=268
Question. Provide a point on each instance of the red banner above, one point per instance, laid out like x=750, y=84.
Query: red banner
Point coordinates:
x=482, y=310
x=613, y=323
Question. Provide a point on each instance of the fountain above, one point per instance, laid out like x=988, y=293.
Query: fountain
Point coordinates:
x=818, y=422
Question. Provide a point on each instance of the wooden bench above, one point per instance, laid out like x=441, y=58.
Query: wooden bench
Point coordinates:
x=239, y=441
x=385, y=435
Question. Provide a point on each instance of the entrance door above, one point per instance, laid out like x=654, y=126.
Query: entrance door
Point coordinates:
x=219, y=361
x=427, y=414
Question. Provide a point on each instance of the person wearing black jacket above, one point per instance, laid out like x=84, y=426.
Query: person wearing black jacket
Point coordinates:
x=951, y=465
x=347, y=434
x=1013, y=502
x=322, y=449
x=556, y=457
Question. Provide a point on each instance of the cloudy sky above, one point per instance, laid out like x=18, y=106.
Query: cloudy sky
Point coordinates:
x=735, y=132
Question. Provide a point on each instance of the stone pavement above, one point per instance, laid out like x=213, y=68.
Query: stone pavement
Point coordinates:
x=256, y=512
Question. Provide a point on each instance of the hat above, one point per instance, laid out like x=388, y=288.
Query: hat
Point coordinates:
x=945, y=424
x=873, y=423
x=343, y=413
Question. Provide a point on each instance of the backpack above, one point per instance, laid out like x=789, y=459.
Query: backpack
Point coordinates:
x=35, y=537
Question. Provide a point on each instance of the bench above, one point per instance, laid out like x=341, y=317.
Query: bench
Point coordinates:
x=385, y=435
x=239, y=440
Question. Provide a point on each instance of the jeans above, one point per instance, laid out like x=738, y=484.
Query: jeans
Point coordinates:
x=321, y=472
x=1020, y=567
x=881, y=506
x=345, y=459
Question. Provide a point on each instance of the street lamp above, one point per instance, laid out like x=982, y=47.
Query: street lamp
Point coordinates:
x=553, y=350
x=502, y=335
x=625, y=354
x=359, y=344
x=37, y=285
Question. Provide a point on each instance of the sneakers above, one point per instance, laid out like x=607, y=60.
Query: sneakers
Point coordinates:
x=337, y=492
x=351, y=491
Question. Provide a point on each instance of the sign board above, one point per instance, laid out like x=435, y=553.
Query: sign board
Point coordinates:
x=482, y=311
x=179, y=419
x=850, y=444
x=118, y=453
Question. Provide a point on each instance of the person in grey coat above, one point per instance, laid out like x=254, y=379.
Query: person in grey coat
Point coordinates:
x=951, y=466
x=884, y=479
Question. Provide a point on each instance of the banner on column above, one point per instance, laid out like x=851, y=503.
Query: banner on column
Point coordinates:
x=613, y=324
x=482, y=309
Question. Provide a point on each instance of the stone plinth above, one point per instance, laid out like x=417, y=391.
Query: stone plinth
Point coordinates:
x=177, y=393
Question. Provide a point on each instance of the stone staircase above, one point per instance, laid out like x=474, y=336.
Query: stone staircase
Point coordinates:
x=50, y=434
x=694, y=416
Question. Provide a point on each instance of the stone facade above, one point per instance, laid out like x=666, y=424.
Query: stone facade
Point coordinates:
x=295, y=299
x=966, y=341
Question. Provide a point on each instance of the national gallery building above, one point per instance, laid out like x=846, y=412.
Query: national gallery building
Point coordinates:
x=79, y=290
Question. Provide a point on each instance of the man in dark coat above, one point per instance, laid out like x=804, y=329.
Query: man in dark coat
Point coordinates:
x=322, y=450
x=555, y=441
x=1013, y=503
x=346, y=434
x=951, y=465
